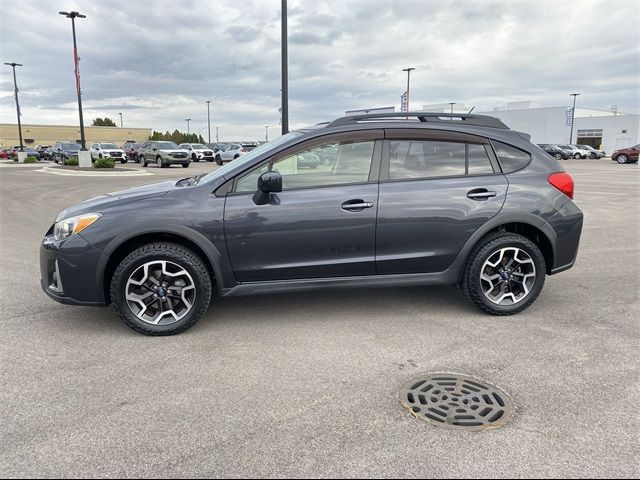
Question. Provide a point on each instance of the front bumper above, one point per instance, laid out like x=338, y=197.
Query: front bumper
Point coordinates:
x=68, y=271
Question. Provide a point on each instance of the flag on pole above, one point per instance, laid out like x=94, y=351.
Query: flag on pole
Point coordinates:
x=404, y=107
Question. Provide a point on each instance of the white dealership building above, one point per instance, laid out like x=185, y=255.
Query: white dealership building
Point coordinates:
x=608, y=130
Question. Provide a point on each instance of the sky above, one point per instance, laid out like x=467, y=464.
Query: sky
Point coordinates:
x=158, y=62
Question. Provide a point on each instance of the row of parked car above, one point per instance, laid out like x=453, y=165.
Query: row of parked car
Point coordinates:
x=168, y=153
x=563, y=152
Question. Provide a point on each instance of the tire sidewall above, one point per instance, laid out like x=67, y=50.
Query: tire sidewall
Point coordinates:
x=153, y=252
x=486, y=249
x=622, y=159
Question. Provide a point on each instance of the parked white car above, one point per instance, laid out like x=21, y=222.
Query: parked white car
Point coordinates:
x=575, y=151
x=230, y=152
x=197, y=151
x=101, y=150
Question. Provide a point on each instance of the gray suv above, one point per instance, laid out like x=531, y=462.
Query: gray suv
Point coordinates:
x=163, y=154
x=415, y=199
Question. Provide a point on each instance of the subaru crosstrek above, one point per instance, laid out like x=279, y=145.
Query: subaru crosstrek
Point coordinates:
x=417, y=199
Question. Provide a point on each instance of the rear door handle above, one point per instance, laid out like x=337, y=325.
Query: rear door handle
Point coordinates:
x=356, y=205
x=481, y=194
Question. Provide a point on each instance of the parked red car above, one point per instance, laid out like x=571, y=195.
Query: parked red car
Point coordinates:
x=4, y=153
x=626, y=155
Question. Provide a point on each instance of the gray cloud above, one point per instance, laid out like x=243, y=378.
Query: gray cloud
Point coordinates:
x=158, y=61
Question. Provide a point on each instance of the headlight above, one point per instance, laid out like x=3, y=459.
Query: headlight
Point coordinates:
x=72, y=225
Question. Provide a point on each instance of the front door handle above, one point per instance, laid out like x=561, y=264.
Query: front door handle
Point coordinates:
x=356, y=205
x=481, y=194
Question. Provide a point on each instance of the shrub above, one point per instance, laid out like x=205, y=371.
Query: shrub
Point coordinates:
x=72, y=161
x=106, y=162
x=30, y=159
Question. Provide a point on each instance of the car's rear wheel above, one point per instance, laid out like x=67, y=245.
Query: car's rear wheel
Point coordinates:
x=504, y=274
x=577, y=156
x=558, y=156
x=219, y=160
x=185, y=165
x=143, y=161
x=161, y=289
x=622, y=158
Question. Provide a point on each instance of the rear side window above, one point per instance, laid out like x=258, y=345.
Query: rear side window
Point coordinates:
x=510, y=158
x=479, y=163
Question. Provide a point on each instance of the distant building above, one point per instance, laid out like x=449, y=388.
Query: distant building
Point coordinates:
x=604, y=129
x=33, y=135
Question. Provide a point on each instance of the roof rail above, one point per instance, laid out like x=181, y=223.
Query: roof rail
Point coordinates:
x=428, y=117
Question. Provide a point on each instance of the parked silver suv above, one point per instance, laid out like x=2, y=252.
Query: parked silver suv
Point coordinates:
x=163, y=153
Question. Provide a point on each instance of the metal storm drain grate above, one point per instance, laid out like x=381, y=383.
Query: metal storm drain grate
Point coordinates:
x=457, y=401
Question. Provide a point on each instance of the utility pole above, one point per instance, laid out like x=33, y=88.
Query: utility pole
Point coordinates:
x=573, y=116
x=73, y=16
x=120, y=119
x=285, y=71
x=15, y=89
x=209, y=119
x=408, y=70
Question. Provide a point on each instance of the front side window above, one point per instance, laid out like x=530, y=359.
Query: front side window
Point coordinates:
x=336, y=163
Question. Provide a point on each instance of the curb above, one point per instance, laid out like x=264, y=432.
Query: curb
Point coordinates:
x=71, y=173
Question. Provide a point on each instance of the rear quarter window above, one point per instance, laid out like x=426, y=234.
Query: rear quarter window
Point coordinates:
x=510, y=158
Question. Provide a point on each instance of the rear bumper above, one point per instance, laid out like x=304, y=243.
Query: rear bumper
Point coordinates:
x=567, y=225
x=68, y=271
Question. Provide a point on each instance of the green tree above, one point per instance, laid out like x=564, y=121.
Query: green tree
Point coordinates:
x=103, y=122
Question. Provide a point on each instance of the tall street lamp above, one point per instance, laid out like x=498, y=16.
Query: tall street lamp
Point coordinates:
x=120, y=119
x=188, y=126
x=209, y=119
x=408, y=70
x=573, y=116
x=285, y=71
x=15, y=88
x=452, y=104
x=73, y=16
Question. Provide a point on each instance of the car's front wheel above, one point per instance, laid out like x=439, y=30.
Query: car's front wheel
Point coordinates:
x=143, y=161
x=219, y=160
x=558, y=156
x=504, y=274
x=185, y=165
x=577, y=156
x=161, y=288
x=622, y=158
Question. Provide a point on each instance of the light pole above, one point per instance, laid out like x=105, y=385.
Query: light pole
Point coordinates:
x=285, y=71
x=217, y=140
x=209, y=120
x=452, y=104
x=15, y=88
x=120, y=119
x=573, y=116
x=73, y=16
x=266, y=135
x=408, y=70
x=188, y=126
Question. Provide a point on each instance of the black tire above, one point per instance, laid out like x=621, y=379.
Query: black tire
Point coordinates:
x=219, y=160
x=622, y=159
x=558, y=156
x=177, y=254
x=143, y=161
x=236, y=156
x=592, y=156
x=185, y=165
x=123, y=161
x=159, y=162
x=487, y=247
x=577, y=156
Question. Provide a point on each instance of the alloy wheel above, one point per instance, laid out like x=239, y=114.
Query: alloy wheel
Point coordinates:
x=507, y=276
x=160, y=292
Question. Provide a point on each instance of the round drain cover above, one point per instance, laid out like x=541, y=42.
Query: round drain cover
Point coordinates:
x=456, y=401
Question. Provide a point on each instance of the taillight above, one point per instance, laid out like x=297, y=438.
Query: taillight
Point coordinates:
x=563, y=182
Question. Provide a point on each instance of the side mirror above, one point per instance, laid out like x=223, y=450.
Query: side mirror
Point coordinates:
x=268, y=183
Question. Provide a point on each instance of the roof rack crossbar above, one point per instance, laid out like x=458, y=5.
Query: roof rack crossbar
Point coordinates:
x=435, y=117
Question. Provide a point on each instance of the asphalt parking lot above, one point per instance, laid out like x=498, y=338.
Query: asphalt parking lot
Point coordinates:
x=307, y=384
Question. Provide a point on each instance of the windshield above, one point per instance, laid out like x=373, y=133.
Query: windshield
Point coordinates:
x=167, y=146
x=247, y=158
x=198, y=146
x=108, y=145
x=71, y=146
x=567, y=147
